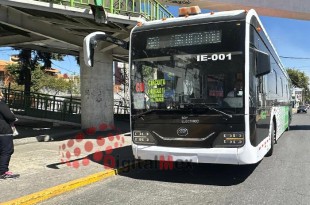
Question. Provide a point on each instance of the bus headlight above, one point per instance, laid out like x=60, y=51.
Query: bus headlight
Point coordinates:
x=229, y=139
x=143, y=137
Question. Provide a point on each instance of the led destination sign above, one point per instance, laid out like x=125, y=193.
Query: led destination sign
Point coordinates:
x=184, y=39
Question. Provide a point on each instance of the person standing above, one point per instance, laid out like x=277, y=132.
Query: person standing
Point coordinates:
x=6, y=139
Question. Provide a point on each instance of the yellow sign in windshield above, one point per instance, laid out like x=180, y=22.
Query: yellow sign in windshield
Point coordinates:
x=156, y=93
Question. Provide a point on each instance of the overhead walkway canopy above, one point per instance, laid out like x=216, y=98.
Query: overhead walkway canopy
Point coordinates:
x=60, y=26
x=295, y=9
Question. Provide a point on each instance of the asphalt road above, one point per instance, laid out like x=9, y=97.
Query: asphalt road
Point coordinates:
x=280, y=179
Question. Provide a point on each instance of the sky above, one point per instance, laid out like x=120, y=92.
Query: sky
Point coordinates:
x=291, y=39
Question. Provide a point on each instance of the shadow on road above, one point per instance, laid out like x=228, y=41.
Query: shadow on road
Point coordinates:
x=300, y=127
x=206, y=174
x=191, y=173
x=110, y=153
x=119, y=127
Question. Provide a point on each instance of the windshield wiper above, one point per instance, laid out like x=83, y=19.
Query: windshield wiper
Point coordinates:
x=219, y=111
x=140, y=115
x=185, y=106
x=204, y=105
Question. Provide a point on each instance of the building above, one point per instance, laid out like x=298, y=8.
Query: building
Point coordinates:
x=56, y=73
x=4, y=78
x=297, y=96
x=2, y=72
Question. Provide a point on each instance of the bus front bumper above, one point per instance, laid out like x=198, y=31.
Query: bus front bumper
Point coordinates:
x=194, y=155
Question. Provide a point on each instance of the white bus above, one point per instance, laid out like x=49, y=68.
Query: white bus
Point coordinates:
x=206, y=88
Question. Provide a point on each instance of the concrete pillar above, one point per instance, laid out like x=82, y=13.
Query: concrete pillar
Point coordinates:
x=97, y=98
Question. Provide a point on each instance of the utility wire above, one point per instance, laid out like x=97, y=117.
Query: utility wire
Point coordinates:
x=295, y=58
x=63, y=68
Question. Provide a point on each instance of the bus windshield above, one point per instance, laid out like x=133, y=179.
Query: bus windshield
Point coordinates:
x=193, y=68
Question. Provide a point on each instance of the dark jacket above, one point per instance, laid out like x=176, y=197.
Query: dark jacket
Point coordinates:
x=6, y=118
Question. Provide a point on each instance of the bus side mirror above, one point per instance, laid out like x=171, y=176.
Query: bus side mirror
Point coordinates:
x=89, y=45
x=263, y=66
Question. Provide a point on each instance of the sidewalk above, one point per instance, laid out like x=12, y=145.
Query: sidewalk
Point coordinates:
x=47, y=156
x=40, y=131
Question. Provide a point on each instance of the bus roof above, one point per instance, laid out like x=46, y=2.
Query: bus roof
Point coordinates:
x=199, y=18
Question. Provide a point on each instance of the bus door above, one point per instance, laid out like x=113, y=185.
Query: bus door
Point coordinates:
x=262, y=110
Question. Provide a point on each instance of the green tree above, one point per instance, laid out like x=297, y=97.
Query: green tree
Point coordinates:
x=301, y=80
x=42, y=81
x=56, y=84
x=38, y=79
x=298, y=78
x=13, y=71
x=46, y=58
x=74, y=82
x=37, y=75
x=29, y=60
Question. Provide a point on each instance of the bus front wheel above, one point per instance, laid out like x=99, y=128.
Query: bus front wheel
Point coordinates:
x=289, y=122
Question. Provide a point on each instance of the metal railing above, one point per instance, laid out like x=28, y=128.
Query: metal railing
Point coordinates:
x=43, y=105
x=52, y=107
x=149, y=9
x=121, y=108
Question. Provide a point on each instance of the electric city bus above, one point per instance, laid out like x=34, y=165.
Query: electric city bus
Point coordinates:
x=206, y=88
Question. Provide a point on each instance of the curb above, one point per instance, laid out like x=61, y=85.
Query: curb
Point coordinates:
x=43, y=138
x=66, y=187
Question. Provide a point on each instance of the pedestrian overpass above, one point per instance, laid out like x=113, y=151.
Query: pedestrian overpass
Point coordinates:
x=60, y=26
x=298, y=9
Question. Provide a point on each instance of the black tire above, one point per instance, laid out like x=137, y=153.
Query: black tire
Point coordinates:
x=273, y=141
x=289, y=122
